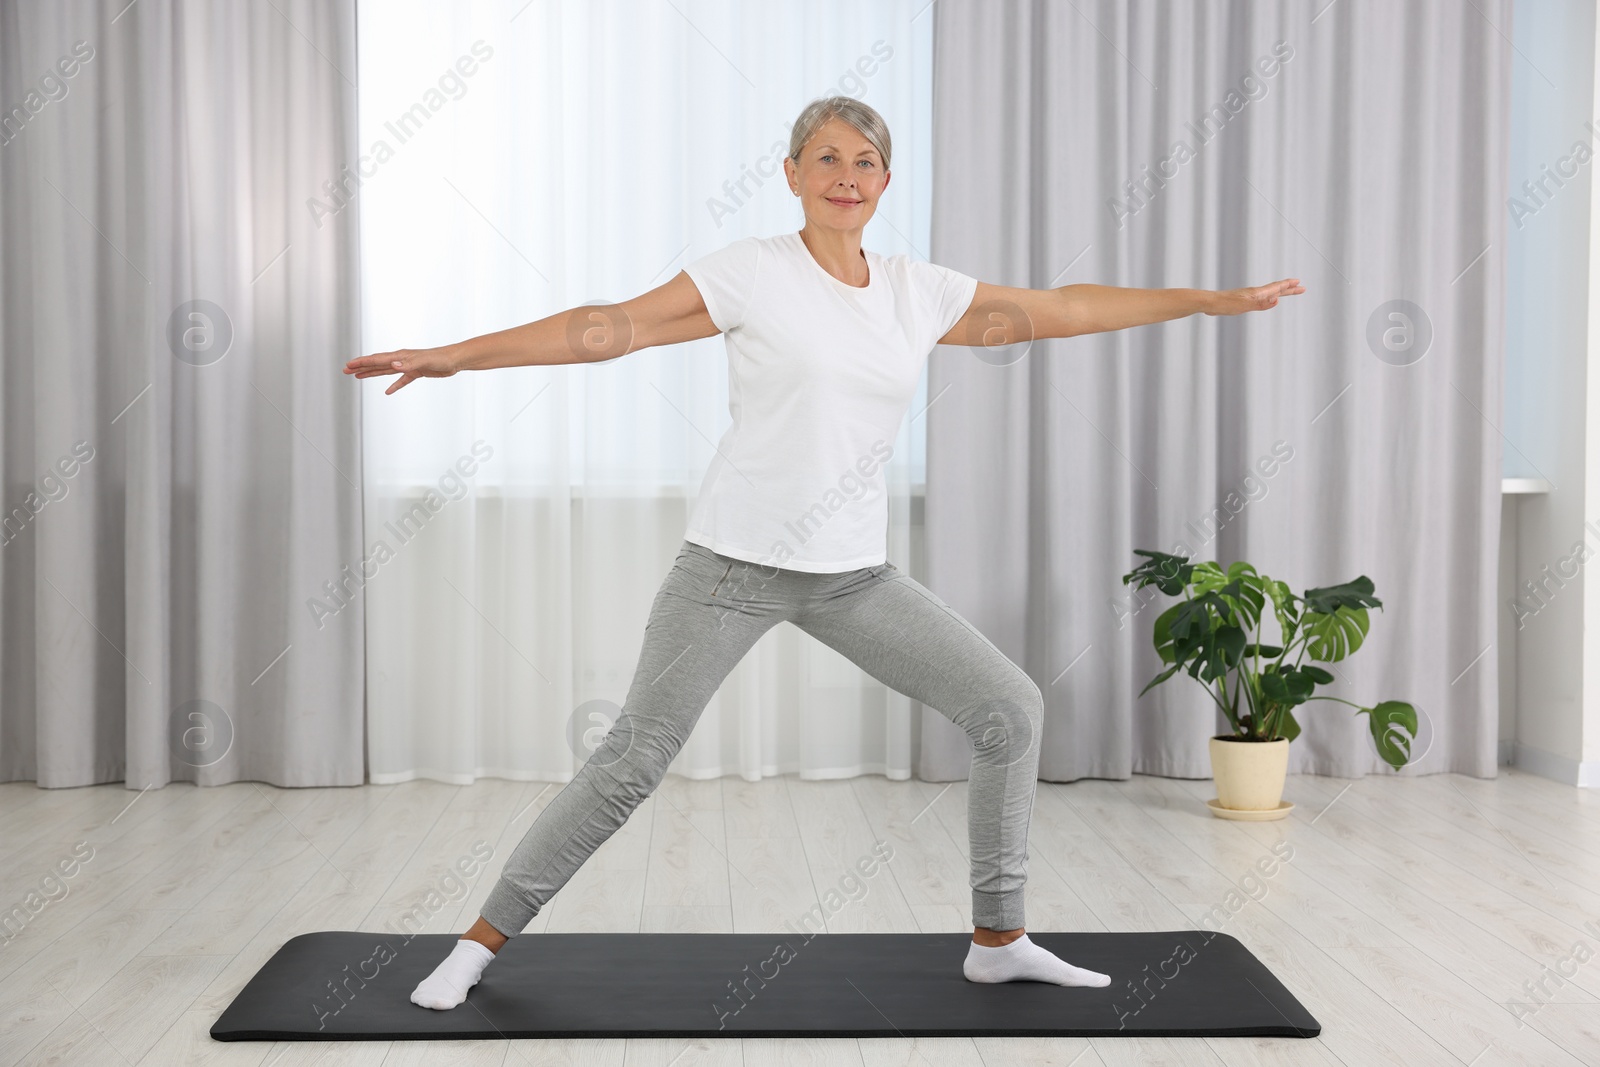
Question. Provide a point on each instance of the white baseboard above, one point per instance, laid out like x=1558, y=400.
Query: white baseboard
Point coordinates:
x=1582, y=773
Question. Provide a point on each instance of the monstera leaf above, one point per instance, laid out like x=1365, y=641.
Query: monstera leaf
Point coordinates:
x=1221, y=654
x=1352, y=594
x=1158, y=679
x=1166, y=572
x=1204, y=632
x=1287, y=684
x=1394, y=727
x=1284, y=607
x=1240, y=585
x=1333, y=637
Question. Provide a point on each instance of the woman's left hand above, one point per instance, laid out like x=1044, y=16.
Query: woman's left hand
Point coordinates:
x=1256, y=298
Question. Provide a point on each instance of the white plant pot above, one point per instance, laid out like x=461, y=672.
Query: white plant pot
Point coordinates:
x=1249, y=777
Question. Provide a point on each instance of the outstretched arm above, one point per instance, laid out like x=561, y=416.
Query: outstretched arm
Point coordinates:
x=590, y=333
x=1002, y=315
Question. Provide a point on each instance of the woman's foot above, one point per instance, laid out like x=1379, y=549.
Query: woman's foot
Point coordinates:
x=1020, y=960
x=447, y=986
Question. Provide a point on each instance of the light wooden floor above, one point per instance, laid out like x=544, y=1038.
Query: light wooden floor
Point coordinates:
x=1409, y=917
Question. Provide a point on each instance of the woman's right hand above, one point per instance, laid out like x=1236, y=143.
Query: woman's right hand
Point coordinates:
x=409, y=363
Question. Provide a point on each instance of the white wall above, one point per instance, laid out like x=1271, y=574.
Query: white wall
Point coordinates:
x=1550, y=702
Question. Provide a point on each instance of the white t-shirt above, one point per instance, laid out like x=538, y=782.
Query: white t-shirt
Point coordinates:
x=820, y=374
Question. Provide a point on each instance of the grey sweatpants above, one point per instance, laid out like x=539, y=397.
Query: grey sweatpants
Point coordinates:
x=708, y=613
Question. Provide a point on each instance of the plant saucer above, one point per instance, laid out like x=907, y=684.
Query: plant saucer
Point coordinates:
x=1250, y=815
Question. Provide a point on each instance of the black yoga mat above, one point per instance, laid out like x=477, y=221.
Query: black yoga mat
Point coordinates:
x=346, y=986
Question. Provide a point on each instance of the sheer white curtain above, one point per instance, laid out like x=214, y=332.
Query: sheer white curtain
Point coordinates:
x=523, y=158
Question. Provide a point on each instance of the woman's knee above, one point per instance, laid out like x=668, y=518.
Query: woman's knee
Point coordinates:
x=1007, y=724
x=634, y=757
x=1022, y=693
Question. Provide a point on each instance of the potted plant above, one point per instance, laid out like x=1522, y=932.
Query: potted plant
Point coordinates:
x=1216, y=632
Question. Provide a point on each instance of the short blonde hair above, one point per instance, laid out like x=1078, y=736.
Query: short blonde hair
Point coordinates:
x=863, y=117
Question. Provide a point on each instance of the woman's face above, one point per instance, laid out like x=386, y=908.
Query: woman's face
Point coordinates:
x=839, y=178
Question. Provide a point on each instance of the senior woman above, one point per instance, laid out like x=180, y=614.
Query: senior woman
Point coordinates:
x=826, y=342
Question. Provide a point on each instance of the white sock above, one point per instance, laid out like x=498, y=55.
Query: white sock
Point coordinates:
x=1022, y=960
x=448, y=984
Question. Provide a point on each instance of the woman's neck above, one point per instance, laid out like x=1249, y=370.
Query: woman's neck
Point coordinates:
x=838, y=252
